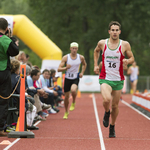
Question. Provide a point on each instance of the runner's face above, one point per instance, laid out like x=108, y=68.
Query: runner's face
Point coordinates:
x=114, y=32
x=134, y=64
x=74, y=50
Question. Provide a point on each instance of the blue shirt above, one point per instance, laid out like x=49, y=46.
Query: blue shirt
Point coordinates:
x=29, y=81
x=43, y=81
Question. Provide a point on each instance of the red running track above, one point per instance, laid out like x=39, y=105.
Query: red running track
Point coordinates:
x=80, y=132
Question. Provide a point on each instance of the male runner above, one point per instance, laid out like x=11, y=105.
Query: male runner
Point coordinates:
x=133, y=71
x=72, y=75
x=111, y=78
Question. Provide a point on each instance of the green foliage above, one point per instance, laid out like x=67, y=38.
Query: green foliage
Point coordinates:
x=86, y=22
x=15, y=7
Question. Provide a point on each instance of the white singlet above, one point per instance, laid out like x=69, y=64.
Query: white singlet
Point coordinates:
x=73, y=72
x=112, y=65
x=134, y=73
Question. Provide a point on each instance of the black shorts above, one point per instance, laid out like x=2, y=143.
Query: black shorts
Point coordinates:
x=68, y=83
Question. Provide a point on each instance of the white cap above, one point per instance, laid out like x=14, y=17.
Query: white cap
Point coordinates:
x=74, y=44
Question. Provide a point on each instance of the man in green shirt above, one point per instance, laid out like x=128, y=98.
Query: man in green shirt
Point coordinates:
x=7, y=48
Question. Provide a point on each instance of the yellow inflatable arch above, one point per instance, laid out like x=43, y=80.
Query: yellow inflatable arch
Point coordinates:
x=37, y=41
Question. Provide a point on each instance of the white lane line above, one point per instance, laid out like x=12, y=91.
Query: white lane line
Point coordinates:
x=12, y=144
x=135, y=109
x=9, y=146
x=37, y=123
x=98, y=124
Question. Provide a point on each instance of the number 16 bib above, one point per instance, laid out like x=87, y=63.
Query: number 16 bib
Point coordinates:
x=112, y=63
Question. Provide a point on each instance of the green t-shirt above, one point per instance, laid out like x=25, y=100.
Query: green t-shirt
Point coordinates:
x=4, y=44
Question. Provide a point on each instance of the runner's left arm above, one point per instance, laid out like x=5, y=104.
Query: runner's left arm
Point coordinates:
x=129, y=54
x=84, y=64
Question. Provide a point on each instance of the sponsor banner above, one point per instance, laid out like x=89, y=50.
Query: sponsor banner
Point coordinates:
x=89, y=83
x=50, y=64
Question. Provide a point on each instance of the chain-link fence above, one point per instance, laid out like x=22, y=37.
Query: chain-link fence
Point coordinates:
x=143, y=83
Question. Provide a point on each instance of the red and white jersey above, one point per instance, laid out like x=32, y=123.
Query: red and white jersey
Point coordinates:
x=112, y=63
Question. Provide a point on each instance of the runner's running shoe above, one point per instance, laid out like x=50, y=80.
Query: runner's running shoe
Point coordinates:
x=106, y=119
x=112, y=131
x=66, y=115
x=72, y=107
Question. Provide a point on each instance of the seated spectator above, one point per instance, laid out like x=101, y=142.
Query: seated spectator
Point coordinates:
x=52, y=74
x=31, y=79
x=22, y=57
x=52, y=79
x=19, y=56
x=27, y=57
x=35, y=67
x=53, y=95
x=50, y=99
x=33, y=93
x=30, y=108
x=28, y=70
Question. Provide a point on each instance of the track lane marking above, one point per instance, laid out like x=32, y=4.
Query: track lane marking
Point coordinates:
x=14, y=142
x=135, y=109
x=98, y=124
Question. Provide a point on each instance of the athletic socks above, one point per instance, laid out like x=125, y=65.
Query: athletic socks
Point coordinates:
x=106, y=119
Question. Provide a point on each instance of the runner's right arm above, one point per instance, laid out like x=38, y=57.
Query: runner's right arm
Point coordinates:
x=97, y=50
x=61, y=67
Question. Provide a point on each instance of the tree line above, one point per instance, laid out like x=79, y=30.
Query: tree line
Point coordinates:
x=86, y=22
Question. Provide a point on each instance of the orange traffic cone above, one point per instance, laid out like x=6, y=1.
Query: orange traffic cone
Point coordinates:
x=78, y=94
x=137, y=91
x=145, y=91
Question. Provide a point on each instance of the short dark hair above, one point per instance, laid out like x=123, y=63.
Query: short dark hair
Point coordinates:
x=3, y=24
x=27, y=56
x=34, y=72
x=45, y=70
x=14, y=38
x=35, y=67
x=114, y=23
x=52, y=71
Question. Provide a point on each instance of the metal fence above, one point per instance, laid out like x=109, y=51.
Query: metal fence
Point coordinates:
x=143, y=83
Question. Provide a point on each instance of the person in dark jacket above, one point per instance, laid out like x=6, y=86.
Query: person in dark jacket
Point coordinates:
x=7, y=48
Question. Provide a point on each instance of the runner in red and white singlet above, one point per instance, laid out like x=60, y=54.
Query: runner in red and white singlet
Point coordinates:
x=111, y=78
x=112, y=65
